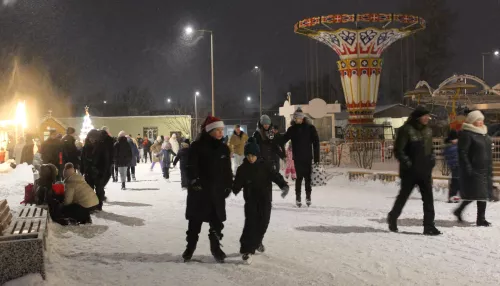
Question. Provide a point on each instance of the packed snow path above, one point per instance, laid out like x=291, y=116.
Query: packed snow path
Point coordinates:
x=341, y=240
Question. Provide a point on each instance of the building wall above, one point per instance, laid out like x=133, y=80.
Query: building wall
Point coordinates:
x=162, y=125
x=47, y=125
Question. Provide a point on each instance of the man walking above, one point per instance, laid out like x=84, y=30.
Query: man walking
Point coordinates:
x=305, y=142
x=71, y=154
x=414, y=151
x=237, y=146
x=50, y=150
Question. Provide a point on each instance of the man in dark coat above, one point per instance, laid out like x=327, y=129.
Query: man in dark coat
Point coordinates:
x=210, y=181
x=96, y=164
x=50, y=150
x=476, y=166
x=305, y=142
x=270, y=148
x=27, y=153
x=414, y=151
x=69, y=151
x=122, y=156
x=146, y=147
x=256, y=177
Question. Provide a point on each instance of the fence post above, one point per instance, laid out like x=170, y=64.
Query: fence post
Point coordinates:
x=383, y=151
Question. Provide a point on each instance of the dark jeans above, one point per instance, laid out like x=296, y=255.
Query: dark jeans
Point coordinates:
x=256, y=223
x=184, y=178
x=130, y=169
x=303, y=170
x=454, y=183
x=98, y=185
x=166, y=172
x=481, y=209
x=425, y=187
x=77, y=212
x=146, y=152
x=194, y=229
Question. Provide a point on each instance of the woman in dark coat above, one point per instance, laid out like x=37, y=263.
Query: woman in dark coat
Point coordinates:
x=476, y=170
x=135, y=158
x=122, y=156
x=210, y=181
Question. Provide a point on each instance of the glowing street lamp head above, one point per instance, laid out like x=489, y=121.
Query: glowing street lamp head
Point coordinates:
x=168, y=100
x=256, y=67
x=496, y=53
x=197, y=93
x=189, y=30
x=249, y=99
x=105, y=102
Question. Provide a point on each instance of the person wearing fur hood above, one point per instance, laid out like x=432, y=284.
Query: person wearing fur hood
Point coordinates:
x=476, y=166
x=156, y=150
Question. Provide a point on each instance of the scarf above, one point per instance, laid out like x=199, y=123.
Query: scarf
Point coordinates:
x=479, y=130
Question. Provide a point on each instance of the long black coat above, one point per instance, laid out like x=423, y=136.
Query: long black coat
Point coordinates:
x=209, y=164
x=256, y=180
x=122, y=153
x=50, y=151
x=183, y=157
x=305, y=142
x=476, y=170
x=69, y=151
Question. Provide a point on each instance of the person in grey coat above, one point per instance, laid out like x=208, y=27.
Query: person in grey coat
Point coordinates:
x=476, y=168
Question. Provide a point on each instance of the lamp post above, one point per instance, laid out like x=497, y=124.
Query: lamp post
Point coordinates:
x=196, y=94
x=260, y=88
x=249, y=99
x=496, y=53
x=189, y=30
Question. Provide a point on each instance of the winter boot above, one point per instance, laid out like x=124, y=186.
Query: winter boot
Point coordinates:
x=215, y=247
x=308, y=202
x=123, y=185
x=188, y=253
x=298, y=203
x=483, y=223
x=133, y=177
x=261, y=248
x=393, y=223
x=247, y=258
x=431, y=230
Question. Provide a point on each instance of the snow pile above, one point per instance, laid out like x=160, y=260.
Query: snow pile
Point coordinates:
x=12, y=183
x=6, y=167
x=341, y=240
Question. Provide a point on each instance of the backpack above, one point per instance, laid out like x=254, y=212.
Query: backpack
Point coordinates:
x=29, y=194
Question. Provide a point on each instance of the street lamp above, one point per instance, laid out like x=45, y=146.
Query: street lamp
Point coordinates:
x=196, y=94
x=256, y=68
x=249, y=98
x=168, y=100
x=189, y=30
x=105, y=102
x=496, y=53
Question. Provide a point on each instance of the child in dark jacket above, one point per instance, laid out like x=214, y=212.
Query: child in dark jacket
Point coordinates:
x=182, y=156
x=451, y=156
x=256, y=176
x=165, y=156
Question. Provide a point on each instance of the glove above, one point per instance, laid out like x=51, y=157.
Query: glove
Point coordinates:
x=195, y=185
x=284, y=191
x=227, y=192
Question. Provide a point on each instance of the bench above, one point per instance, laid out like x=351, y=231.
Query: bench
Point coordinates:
x=22, y=243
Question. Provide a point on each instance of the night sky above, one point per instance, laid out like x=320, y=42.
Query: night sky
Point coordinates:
x=110, y=45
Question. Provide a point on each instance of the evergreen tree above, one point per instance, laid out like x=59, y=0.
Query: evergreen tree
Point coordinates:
x=86, y=126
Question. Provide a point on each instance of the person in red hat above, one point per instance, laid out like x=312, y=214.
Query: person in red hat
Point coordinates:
x=210, y=180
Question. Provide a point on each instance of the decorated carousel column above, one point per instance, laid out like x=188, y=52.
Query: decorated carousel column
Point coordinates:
x=359, y=40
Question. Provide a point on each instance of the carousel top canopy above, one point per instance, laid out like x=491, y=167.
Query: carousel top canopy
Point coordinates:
x=369, y=34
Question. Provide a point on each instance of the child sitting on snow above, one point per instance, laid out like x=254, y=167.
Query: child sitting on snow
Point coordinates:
x=290, y=165
x=451, y=156
x=165, y=155
x=256, y=176
x=183, y=157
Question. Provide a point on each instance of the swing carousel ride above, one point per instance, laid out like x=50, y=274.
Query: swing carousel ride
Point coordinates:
x=360, y=40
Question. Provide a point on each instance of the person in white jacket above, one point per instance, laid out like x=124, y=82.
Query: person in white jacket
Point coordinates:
x=175, y=144
x=18, y=150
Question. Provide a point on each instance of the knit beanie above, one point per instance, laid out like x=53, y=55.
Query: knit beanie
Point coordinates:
x=419, y=112
x=474, y=116
x=265, y=120
x=298, y=114
x=251, y=147
x=212, y=123
x=122, y=134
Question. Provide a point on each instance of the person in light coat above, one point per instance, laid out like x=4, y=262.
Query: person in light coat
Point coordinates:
x=79, y=198
x=155, y=150
x=237, y=146
x=18, y=150
x=174, y=143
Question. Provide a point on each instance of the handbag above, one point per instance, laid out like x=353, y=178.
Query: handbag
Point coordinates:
x=319, y=177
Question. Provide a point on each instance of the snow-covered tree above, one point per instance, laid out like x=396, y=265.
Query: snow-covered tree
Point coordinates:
x=86, y=126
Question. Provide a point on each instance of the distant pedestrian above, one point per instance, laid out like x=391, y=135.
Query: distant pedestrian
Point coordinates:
x=135, y=158
x=156, y=151
x=183, y=157
x=70, y=153
x=146, y=148
x=237, y=145
x=123, y=156
x=451, y=155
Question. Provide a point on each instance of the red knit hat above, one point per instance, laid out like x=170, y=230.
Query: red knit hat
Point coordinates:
x=211, y=123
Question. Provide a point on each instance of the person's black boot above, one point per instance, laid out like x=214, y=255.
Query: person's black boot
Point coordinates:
x=393, y=223
x=458, y=214
x=123, y=186
x=188, y=253
x=431, y=230
x=261, y=248
x=215, y=247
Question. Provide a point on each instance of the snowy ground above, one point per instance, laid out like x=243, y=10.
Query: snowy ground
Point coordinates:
x=341, y=240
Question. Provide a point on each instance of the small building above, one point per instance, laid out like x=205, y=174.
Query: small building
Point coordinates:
x=146, y=126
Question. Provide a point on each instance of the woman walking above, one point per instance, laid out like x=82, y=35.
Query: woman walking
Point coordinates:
x=156, y=150
x=475, y=163
x=123, y=156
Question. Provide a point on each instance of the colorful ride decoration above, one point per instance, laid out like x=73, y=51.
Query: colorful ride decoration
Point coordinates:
x=360, y=40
